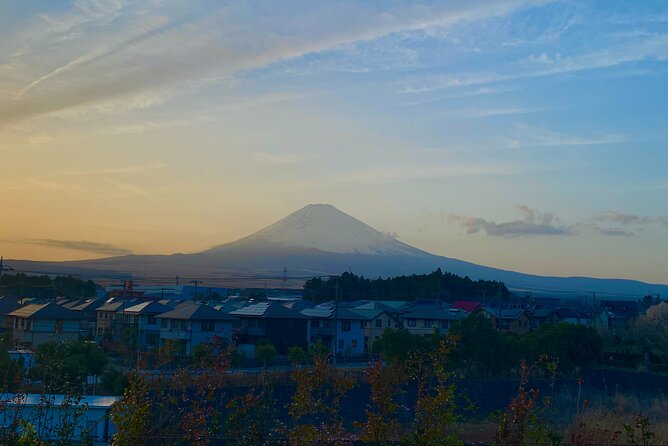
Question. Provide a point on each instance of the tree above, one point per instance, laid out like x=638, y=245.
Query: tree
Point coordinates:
x=402, y=345
x=481, y=349
x=265, y=352
x=132, y=416
x=64, y=367
x=297, y=355
x=575, y=346
x=382, y=425
x=12, y=370
x=315, y=405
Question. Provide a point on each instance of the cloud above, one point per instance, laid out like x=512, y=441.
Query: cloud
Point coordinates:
x=629, y=219
x=614, y=232
x=94, y=247
x=115, y=170
x=653, y=47
x=529, y=136
x=121, y=55
x=533, y=224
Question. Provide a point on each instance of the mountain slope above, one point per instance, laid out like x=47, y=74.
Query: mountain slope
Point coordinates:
x=321, y=240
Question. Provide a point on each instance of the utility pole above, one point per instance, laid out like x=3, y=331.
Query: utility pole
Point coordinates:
x=3, y=268
x=336, y=319
x=593, y=307
x=196, y=282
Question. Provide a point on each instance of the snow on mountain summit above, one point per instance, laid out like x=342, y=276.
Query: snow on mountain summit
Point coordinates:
x=324, y=227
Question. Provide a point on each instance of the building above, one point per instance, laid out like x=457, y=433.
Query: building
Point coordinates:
x=7, y=305
x=618, y=315
x=36, y=324
x=426, y=320
x=272, y=321
x=193, y=324
x=343, y=331
x=105, y=325
x=142, y=323
x=469, y=306
x=47, y=414
x=376, y=321
x=514, y=320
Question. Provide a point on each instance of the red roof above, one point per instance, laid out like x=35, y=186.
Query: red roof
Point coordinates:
x=467, y=305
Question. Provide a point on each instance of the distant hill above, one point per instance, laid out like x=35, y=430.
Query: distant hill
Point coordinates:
x=320, y=240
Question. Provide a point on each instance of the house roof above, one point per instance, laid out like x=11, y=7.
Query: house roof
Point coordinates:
x=435, y=313
x=369, y=314
x=570, y=313
x=621, y=308
x=195, y=312
x=541, y=313
x=467, y=305
x=87, y=305
x=35, y=399
x=506, y=313
x=148, y=308
x=8, y=304
x=45, y=311
x=118, y=305
x=326, y=311
x=268, y=310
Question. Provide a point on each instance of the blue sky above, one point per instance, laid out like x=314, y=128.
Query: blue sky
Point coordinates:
x=528, y=135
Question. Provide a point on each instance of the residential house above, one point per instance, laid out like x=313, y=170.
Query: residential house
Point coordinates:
x=376, y=321
x=142, y=323
x=7, y=305
x=36, y=324
x=92, y=415
x=273, y=321
x=88, y=310
x=543, y=316
x=514, y=320
x=469, y=306
x=426, y=320
x=194, y=324
x=105, y=325
x=571, y=316
x=618, y=314
x=343, y=330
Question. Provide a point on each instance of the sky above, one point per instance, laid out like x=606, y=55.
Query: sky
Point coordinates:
x=525, y=135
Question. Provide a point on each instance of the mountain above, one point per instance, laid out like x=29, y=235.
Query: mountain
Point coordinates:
x=321, y=240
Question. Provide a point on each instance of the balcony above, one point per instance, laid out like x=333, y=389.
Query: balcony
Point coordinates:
x=318, y=332
x=251, y=331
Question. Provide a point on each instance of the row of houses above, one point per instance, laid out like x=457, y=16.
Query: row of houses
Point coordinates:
x=349, y=328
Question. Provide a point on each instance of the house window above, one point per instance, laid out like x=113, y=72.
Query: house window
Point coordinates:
x=208, y=325
x=184, y=325
x=410, y=322
x=354, y=344
x=362, y=325
x=345, y=326
x=428, y=323
x=174, y=324
x=379, y=323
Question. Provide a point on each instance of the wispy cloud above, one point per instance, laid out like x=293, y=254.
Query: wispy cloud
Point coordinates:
x=190, y=48
x=653, y=47
x=533, y=224
x=630, y=219
x=115, y=170
x=529, y=136
x=83, y=245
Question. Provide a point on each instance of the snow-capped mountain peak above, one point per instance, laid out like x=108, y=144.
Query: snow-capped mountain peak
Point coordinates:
x=325, y=228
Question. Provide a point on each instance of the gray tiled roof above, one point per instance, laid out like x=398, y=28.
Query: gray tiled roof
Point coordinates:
x=268, y=310
x=195, y=312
